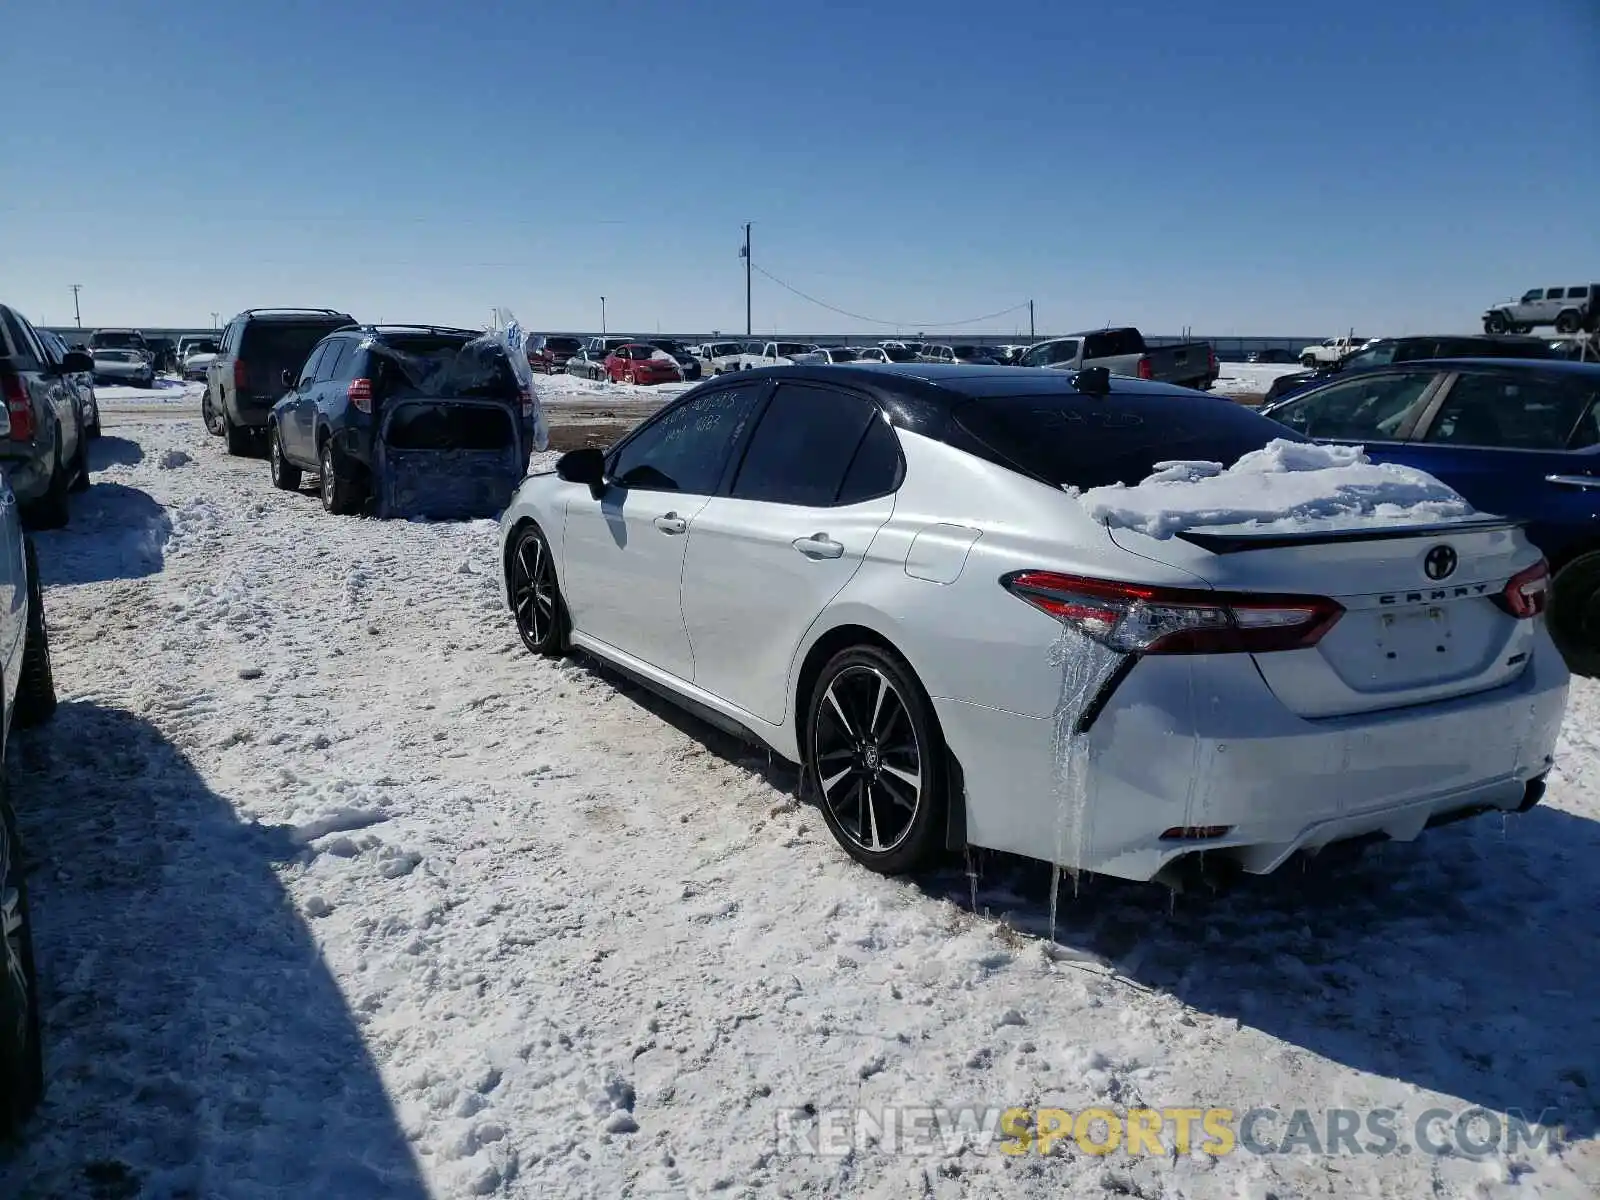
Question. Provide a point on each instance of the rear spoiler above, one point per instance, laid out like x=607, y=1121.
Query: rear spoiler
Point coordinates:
x=1271, y=539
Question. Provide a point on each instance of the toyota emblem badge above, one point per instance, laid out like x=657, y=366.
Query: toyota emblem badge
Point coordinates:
x=1439, y=563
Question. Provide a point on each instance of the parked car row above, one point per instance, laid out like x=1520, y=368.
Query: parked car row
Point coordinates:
x=50, y=415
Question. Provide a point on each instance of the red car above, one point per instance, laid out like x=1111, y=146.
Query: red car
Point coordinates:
x=550, y=354
x=637, y=363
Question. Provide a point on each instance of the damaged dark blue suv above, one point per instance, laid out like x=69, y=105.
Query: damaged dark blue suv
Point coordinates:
x=409, y=420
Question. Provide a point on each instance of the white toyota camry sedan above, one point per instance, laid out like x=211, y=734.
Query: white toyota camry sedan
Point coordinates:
x=886, y=575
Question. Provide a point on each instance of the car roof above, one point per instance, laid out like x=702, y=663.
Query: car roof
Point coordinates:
x=1563, y=366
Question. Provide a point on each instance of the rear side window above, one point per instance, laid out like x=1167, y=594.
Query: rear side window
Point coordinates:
x=804, y=446
x=337, y=351
x=1520, y=412
x=1079, y=441
x=875, y=470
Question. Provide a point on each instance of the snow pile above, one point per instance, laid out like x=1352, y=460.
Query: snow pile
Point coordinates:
x=1283, y=485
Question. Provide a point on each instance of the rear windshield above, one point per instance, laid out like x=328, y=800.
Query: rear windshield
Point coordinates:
x=1112, y=342
x=206, y=346
x=116, y=355
x=443, y=366
x=562, y=345
x=1081, y=441
x=787, y=348
x=284, y=345
x=842, y=355
x=126, y=341
x=449, y=427
x=899, y=354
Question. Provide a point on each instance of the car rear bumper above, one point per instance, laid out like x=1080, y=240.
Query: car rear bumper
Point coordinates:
x=1196, y=743
x=250, y=411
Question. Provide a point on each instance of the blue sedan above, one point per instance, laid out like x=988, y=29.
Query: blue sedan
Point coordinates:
x=1516, y=437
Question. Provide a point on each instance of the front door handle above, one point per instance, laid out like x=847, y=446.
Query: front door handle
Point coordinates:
x=1574, y=481
x=818, y=545
x=671, y=523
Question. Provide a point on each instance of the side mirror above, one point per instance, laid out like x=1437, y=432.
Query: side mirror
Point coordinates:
x=584, y=466
x=76, y=362
x=288, y=378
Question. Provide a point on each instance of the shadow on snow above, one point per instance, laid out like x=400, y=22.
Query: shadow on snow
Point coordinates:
x=1460, y=963
x=117, y=532
x=195, y=1044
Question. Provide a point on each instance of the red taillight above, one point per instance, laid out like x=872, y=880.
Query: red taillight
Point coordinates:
x=1138, y=619
x=238, y=375
x=1146, y=371
x=360, y=394
x=18, y=409
x=1527, y=592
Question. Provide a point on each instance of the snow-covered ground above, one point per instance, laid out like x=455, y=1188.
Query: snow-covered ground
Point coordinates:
x=339, y=893
x=1250, y=379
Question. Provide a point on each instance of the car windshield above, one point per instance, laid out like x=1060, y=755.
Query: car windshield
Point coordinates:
x=841, y=354
x=787, y=348
x=899, y=354
x=670, y=347
x=1072, y=440
x=202, y=347
x=561, y=345
x=116, y=355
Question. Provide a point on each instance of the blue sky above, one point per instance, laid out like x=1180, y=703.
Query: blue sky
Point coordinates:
x=1244, y=167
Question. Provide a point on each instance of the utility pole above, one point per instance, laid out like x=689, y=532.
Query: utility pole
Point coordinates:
x=744, y=253
x=602, y=316
x=1030, y=321
x=78, y=316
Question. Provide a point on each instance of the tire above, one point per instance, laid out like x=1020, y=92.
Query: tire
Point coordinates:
x=36, y=682
x=50, y=511
x=1567, y=322
x=238, y=440
x=80, y=464
x=869, y=722
x=1308, y=361
x=21, y=1059
x=536, y=603
x=1495, y=323
x=285, y=475
x=341, y=497
x=1574, y=615
x=208, y=415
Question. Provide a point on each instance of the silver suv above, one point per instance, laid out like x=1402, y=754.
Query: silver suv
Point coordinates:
x=1569, y=309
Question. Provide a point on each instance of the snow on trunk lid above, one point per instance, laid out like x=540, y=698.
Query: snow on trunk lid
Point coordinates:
x=1418, y=573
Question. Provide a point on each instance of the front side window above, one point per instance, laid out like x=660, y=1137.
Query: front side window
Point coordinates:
x=1359, y=410
x=800, y=452
x=1530, y=296
x=1521, y=411
x=308, y=372
x=687, y=447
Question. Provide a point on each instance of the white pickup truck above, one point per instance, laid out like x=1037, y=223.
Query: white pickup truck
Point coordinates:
x=1332, y=350
x=774, y=354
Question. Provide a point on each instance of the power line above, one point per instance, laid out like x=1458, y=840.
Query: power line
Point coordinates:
x=879, y=320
